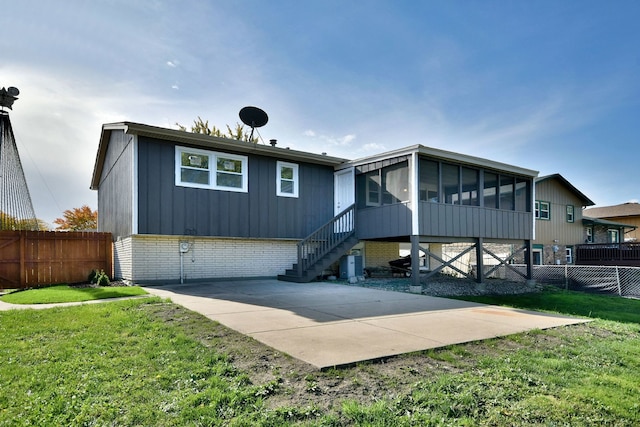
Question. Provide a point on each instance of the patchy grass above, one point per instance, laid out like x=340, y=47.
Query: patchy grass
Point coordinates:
x=66, y=293
x=569, y=302
x=149, y=362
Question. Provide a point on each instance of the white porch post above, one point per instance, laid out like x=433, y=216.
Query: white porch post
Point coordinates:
x=415, y=220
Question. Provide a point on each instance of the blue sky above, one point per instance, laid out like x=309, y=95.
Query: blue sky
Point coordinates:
x=547, y=85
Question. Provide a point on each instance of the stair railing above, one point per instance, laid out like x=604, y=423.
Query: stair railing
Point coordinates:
x=326, y=238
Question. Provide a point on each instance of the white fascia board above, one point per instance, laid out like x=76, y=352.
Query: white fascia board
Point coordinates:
x=447, y=156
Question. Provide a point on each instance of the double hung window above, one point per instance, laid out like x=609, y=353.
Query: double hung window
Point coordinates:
x=570, y=213
x=543, y=210
x=287, y=179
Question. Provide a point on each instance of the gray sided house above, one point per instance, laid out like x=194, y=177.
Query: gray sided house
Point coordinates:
x=184, y=206
x=559, y=221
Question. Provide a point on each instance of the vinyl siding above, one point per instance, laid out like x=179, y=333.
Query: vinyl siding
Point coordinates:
x=443, y=220
x=557, y=228
x=384, y=221
x=115, y=201
x=167, y=209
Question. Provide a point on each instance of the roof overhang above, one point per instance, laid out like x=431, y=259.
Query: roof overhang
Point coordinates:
x=606, y=223
x=202, y=141
x=585, y=200
x=446, y=156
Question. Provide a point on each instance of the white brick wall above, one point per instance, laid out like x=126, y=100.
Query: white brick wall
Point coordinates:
x=122, y=258
x=157, y=258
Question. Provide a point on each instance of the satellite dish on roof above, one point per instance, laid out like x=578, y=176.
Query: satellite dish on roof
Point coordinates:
x=254, y=117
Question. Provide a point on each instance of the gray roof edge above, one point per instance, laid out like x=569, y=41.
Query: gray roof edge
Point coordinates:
x=444, y=155
x=202, y=141
x=570, y=186
x=590, y=220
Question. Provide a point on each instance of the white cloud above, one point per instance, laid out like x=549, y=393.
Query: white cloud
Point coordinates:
x=373, y=147
x=173, y=64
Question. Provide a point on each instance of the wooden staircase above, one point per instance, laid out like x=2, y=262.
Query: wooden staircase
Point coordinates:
x=323, y=247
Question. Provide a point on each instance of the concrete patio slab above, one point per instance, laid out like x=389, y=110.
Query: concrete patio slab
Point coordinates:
x=327, y=324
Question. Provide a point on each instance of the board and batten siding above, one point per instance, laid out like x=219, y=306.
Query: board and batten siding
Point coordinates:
x=385, y=221
x=115, y=198
x=557, y=228
x=445, y=220
x=167, y=209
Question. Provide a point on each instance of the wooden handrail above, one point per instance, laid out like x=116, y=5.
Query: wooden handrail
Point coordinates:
x=325, y=239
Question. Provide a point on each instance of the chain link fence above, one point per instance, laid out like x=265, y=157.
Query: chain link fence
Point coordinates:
x=623, y=281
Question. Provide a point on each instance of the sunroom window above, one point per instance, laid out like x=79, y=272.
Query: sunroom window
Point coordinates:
x=210, y=170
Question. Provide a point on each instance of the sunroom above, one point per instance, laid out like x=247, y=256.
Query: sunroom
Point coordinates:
x=439, y=202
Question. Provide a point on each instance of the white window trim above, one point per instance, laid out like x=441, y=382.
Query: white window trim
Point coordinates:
x=569, y=255
x=539, y=251
x=570, y=213
x=213, y=161
x=295, y=180
x=589, y=234
x=539, y=210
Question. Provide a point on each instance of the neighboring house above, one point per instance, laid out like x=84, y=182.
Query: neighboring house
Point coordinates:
x=558, y=213
x=604, y=231
x=609, y=242
x=185, y=206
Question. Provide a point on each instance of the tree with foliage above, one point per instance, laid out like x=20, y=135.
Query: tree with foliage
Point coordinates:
x=9, y=222
x=202, y=126
x=78, y=219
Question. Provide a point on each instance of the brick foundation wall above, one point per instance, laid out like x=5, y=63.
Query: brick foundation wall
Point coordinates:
x=155, y=258
x=122, y=258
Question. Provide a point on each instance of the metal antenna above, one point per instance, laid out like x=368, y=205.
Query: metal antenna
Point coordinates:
x=7, y=96
x=16, y=209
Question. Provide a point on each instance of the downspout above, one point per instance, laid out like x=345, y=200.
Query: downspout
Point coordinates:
x=181, y=267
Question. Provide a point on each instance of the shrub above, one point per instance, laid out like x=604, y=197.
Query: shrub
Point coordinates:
x=99, y=277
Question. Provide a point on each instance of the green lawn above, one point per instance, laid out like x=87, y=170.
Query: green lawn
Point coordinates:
x=150, y=362
x=570, y=302
x=66, y=293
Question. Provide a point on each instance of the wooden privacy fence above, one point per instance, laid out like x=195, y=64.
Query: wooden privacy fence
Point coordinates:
x=36, y=258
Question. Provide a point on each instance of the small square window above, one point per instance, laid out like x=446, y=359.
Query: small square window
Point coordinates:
x=287, y=179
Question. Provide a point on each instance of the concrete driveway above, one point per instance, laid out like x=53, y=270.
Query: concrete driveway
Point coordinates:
x=328, y=324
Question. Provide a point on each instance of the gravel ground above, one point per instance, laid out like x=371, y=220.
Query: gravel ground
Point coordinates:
x=443, y=286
